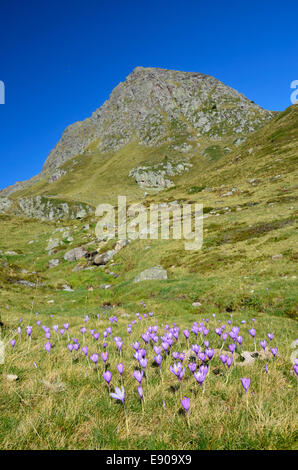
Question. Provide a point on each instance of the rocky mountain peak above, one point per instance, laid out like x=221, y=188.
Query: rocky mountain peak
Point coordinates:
x=155, y=105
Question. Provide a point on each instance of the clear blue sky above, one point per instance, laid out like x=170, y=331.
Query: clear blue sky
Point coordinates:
x=60, y=59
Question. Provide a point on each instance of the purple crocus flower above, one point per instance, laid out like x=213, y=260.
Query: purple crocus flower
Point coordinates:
x=205, y=331
x=119, y=344
x=85, y=350
x=62, y=331
x=273, y=351
x=192, y=366
x=138, y=375
x=96, y=336
x=66, y=326
x=202, y=356
x=232, y=348
x=119, y=394
x=158, y=360
x=107, y=376
x=94, y=358
x=295, y=367
x=200, y=377
x=48, y=347
x=270, y=336
x=38, y=323
x=263, y=344
x=229, y=361
x=29, y=330
x=185, y=403
x=146, y=337
x=13, y=342
x=76, y=346
x=140, y=390
x=120, y=368
x=196, y=349
x=83, y=330
x=252, y=332
x=210, y=353
x=186, y=333
x=55, y=328
x=223, y=358
x=104, y=356
x=157, y=350
x=181, y=357
x=70, y=347
x=143, y=362
x=246, y=383
x=178, y=370
x=195, y=329
x=204, y=369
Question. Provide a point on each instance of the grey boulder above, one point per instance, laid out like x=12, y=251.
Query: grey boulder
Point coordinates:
x=75, y=254
x=155, y=273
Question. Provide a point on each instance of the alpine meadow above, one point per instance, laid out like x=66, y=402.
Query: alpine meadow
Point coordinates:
x=133, y=341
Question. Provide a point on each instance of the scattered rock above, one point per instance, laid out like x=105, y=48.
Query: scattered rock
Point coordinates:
x=81, y=214
x=12, y=378
x=52, y=243
x=67, y=288
x=53, y=263
x=105, y=286
x=77, y=268
x=26, y=283
x=104, y=258
x=249, y=357
x=75, y=254
x=277, y=257
x=196, y=304
x=157, y=272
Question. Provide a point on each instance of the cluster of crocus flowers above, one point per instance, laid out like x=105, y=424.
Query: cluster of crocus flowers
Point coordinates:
x=187, y=353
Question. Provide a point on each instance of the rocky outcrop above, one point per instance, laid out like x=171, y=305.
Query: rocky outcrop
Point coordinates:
x=5, y=204
x=40, y=207
x=156, y=176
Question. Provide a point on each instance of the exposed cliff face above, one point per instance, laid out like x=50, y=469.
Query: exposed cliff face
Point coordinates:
x=155, y=105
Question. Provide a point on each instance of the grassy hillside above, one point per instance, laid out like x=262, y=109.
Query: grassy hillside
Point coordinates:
x=246, y=268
